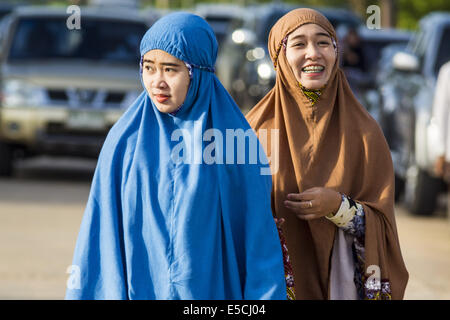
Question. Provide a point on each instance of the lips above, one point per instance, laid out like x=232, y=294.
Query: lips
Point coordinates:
x=161, y=97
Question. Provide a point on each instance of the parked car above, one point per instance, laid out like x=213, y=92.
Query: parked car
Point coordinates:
x=62, y=89
x=406, y=90
x=222, y=18
x=244, y=65
x=5, y=9
x=372, y=42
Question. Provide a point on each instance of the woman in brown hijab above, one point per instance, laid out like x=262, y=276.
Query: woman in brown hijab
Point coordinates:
x=333, y=184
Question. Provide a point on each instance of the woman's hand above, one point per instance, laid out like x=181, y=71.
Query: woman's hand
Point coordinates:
x=314, y=203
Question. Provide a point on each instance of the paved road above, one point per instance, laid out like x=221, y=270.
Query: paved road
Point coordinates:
x=41, y=210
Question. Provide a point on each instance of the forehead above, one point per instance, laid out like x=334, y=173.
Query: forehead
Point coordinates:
x=159, y=56
x=309, y=30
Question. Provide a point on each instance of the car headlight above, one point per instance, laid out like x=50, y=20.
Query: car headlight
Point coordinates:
x=19, y=93
x=257, y=53
x=265, y=70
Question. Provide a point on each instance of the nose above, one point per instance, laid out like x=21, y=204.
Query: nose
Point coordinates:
x=159, y=81
x=312, y=52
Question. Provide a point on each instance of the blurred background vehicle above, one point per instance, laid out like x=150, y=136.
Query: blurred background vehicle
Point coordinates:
x=406, y=86
x=361, y=51
x=62, y=89
x=222, y=18
x=6, y=8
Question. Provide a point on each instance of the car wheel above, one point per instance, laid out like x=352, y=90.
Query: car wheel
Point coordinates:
x=421, y=191
x=6, y=160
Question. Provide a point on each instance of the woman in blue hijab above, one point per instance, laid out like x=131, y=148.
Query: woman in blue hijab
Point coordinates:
x=164, y=221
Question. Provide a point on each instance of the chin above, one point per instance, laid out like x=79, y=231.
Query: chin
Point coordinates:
x=313, y=85
x=164, y=108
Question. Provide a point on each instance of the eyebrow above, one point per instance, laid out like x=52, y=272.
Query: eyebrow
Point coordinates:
x=317, y=34
x=168, y=64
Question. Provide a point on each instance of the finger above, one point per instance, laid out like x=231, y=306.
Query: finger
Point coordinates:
x=300, y=206
x=299, y=197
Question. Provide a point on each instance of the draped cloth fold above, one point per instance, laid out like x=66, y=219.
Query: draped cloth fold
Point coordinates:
x=161, y=224
x=332, y=143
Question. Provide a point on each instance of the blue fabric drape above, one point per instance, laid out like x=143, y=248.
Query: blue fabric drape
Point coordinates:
x=159, y=228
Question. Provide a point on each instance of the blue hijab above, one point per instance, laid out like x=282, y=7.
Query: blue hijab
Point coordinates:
x=156, y=227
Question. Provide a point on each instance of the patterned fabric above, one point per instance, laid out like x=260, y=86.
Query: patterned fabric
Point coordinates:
x=312, y=94
x=369, y=288
x=288, y=272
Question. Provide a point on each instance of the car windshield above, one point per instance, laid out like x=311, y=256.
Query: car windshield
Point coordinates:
x=97, y=39
x=373, y=49
x=266, y=23
x=444, y=50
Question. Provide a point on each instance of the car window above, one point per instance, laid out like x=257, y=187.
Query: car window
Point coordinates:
x=443, y=53
x=372, y=50
x=97, y=39
x=418, y=44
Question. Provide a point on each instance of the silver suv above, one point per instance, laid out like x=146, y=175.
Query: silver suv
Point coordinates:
x=407, y=92
x=62, y=89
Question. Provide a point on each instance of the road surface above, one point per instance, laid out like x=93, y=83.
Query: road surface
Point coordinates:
x=42, y=206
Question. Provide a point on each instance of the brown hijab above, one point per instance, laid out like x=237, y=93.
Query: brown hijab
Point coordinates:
x=333, y=143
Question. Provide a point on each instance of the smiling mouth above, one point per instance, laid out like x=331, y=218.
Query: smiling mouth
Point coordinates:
x=313, y=69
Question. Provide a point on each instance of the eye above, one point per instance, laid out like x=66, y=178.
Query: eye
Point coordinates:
x=168, y=69
x=148, y=67
x=299, y=44
x=324, y=43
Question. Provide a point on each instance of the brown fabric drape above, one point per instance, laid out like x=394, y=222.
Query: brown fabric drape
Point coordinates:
x=334, y=143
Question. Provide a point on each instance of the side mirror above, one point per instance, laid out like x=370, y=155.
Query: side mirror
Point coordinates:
x=405, y=62
x=243, y=37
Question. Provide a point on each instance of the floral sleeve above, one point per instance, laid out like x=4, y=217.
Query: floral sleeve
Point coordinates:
x=351, y=219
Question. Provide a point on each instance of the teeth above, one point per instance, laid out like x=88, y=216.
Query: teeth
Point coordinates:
x=312, y=69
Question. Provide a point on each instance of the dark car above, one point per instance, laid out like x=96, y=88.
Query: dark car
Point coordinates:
x=406, y=86
x=222, y=18
x=371, y=43
x=378, y=47
x=244, y=65
x=5, y=9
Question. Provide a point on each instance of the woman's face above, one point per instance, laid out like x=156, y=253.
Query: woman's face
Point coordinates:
x=311, y=55
x=166, y=80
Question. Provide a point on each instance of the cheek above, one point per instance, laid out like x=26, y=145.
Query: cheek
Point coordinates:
x=330, y=59
x=146, y=80
x=180, y=87
x=295, y=61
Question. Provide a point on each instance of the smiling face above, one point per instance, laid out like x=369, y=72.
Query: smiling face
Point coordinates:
x=166, y=80
x=311, y=55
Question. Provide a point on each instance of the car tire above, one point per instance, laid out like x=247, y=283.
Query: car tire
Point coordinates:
x=6, y=160
x=421, y=192
x=399, y=187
